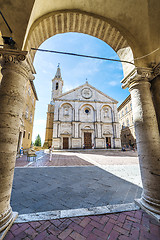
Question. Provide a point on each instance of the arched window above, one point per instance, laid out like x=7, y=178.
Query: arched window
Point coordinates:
x=127, y=122
x=56, y=85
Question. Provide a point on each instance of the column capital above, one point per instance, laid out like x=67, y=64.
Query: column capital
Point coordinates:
x=16, y=60
x=137, y=76
x=12, y=56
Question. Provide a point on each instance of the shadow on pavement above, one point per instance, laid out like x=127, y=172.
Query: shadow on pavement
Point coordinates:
x=60, y=188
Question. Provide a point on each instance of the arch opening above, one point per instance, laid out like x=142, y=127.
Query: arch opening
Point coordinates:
x=80, y=22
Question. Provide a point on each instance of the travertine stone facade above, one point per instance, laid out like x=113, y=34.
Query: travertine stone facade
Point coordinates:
x=125, y=116
x=82, y=117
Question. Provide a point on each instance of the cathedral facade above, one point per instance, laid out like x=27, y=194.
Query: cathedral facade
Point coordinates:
x=83, y=117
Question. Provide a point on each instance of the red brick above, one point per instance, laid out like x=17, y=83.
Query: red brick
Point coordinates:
x=54, y=230
x=77, y=236
x=44, y=226
x=22, y=227
x=20, y=236
x=109, y=226
x=41, y=236
x=155, y=229
x=9, y=236
x=85, y=221
x=31, y=232
x=100, y=234
x=92, y=237
x=35, y=224
x=51, y=237
x=65, y=224
x=104, y=219
x=138, y=214
x=14, y=227
x=69, y=238
x=76, y=220
x=65, y=233
x=114, y=216
x=87, y=230
x=123, y=237
x=121, y=218
x=95, y=218
x=121, y=230
x=56, y=222
x=76, y=227
x=131, y=213
x=133, y=219
x=113, y=235
x=134, y=233
x=96, y=224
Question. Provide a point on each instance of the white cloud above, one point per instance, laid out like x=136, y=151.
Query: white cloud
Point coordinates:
x=113, y=83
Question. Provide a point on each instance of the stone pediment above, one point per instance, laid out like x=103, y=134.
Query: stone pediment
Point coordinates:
x=86, y=92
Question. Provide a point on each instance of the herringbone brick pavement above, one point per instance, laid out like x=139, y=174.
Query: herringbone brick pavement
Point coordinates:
x=121, y=226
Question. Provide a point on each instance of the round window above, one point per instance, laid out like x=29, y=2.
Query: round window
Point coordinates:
x=87, y=110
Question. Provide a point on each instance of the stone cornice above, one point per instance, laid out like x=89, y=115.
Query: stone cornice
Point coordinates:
x=137, y=75
x=83, y=101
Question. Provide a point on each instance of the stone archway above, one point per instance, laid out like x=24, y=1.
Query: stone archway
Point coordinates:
x=135, y=78
x=81, y=22
x=16, y=70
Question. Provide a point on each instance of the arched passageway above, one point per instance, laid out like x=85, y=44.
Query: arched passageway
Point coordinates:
x=17, y=68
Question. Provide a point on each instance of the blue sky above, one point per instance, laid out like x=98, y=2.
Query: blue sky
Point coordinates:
x=104, y=75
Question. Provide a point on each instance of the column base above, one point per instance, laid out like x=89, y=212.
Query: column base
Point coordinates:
x=4, y=232
x=140, y=202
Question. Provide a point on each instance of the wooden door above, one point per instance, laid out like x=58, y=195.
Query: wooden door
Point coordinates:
x=87, y=140
x=65, y=143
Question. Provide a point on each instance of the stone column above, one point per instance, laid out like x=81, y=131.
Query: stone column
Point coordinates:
x=147, y=137
x=16, y=72
x=155, y=89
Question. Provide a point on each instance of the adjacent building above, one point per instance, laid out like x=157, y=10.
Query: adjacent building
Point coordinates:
x=127, y=131
x=27, y=118
x=81, y=117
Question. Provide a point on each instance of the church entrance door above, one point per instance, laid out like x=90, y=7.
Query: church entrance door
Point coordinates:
x=65, y=143
x=87, y=140
x=108, y=141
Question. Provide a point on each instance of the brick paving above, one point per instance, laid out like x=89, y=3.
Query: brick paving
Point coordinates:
x=57, y=160
x=76, y=158
x=120, y=226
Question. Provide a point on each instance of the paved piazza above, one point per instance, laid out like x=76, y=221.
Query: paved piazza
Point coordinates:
x=75, y=179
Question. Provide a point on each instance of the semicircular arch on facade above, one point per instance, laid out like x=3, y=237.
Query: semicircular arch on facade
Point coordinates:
x=75, y=21
x=87, y=105
x=66, y=104
x=106, y=106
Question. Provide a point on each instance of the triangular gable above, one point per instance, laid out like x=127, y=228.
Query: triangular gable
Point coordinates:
x=76, y=93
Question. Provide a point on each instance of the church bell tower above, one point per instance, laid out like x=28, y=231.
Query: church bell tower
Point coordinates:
x=57, y=84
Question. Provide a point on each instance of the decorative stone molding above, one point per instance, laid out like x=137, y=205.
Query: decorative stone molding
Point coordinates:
x=136, y=76
x=12, y=56
x=156, y=71
x=5, y=219
x=18, y=61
